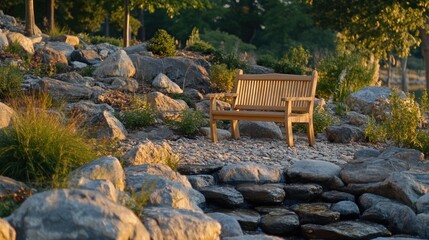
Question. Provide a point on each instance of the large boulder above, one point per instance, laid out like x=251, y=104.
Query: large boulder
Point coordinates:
x=87, y=56
x=230, y=226
x=60, y=90
x=74, y=78
x=51, y=56
x=75, y=214
x=117, y=64
x=104, y=187
x=256, y=129
x=64, y=48
x=148, y=153
x=120, y=83
x=171, y=224
x=223, y=196
x=6, y=115
x=6, y=231
x=422, y=204
x=363, y=100
x=250, y=173
x=69, y=39
x=166, y=106
x=313, y=171
x=345, y=133
x=108, y=168
x=22, y=40
x=280, y=222
x=164, y=83
x=262, y=194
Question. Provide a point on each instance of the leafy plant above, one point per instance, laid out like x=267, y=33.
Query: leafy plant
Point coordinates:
x=295, y=61
x=375, y=132
x=195, y=43
x=11, y=78
x=227, y=43
x=15, y=49
x=189, y=122
x=222, y=78
x=11, y=201
x=87, y=71
x=322, y=119
x=40, y=145
x=162, y=44
x=267, y=60
x=139, y=115
x=231, y=60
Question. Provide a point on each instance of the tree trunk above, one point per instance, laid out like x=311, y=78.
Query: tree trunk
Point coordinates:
x=404, y=79
x=51, y=15
x=142, y=31
x=127, y=24
x=425, y=52
x=389, y=70
x=29, y=18
x=107, y=25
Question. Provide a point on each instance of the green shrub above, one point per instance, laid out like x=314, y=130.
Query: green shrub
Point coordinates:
x=139, y=115
x=195, y=43
x=15, y=49
x=322, y=119
x=87, y=71
x=375, y=132
x=343, y=74
x=231, y=60
x=267, y=60
x=139, y=200
x=189, y=122
x=39, y=146
x=226, y=42
x=295, y=61
x=11, y=78
x=222, y=78
x=162, y=44
x=104, y=39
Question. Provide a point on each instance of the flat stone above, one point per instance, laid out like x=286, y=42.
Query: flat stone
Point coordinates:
x=280, y=223
x=197, y=169
x=315, y=213
x=230, y=225
x=69, y=92
x=250, y=172
x=255, y=129
x=366, y=153
x=347, y=209
x=336, y=196
x=223, y=196
x=313, y=171
x=345, y=134
x=248, y=219
x=262, y=194
x=406, y=154
x=303, y=192
x=201, y=181
x=344, y=230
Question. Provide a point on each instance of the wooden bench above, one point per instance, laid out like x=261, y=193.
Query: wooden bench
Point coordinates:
x=268, y=97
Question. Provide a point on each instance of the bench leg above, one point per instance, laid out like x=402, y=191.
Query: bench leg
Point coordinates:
x=310, y=133
x=234, y=129
x=289, y=134
x=213, y=130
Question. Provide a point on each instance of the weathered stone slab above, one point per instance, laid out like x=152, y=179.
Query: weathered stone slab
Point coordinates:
x=223, y=196
x=262, y=194
x=315, y=213
x=280, y=223
x=344, y=230
x=250, y=173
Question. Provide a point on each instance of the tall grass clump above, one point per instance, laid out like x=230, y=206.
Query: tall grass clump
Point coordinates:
x=11, y=78
x=140, y=114
x=40, y=146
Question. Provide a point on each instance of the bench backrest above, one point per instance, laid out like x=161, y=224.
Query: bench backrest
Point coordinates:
x=264, y=91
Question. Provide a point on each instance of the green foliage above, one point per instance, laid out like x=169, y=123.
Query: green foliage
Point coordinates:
x=195, y=43
x=295, y=61
x=11, y=201
x=87, y=71
x=183, y=97
x=343, y=74
x=189, y=122
x=57, y=31
x=267, y=60
x=322, y=119
x=162, y=44
x=231, y=60
x=222, y=78
x=11, y=78
x=139, y=199
x=226, y=42
x=375, y=132
x=39, y=146
x=17, y=51
x=139, y=115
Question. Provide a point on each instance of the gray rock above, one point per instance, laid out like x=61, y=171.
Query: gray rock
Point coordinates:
x=262, y=194
x=197, y=169
x=363, y=100
x=87, y=56
x=6, y=115
x=166, y=106
x=75, y=214
x=147, y=68
x=357, y=119
x=60, y=90
x=248, y=219
x=10, y=186
x=422, y=204
x=201, y=181
x=257, y=69
x=107, y=168
x=193, y=94
x=137, y=49
x=204, y=106
x=315, y=213
x=280, y=223
x=6, y=231
x=314, y=171
x=345, y=134
x=250, y=172
x=222, y=134
x=78, y=65
x=336, y=196
x=162, y=191
x=158, y=170
x=256, y=129
x=304, y=192
x=174, y=224
x=149, y=153
x=409, y=155
x=69, y=39
x=164, y=83
x=120, y=83
x=74, y=78
x=223, y=196
x=22, y=40
x=366, y=153
x=399, y=218
x=4, y=43
x=104, y=187
x=64, y=48
x=117, y=64
x=268, y=209
x=110, y=127
x=423, y=221
x=344, y=230
x=347, y=209
x=51, y=56
x=230, y=226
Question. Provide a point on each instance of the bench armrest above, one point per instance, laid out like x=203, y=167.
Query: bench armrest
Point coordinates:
x=219, y=95
x=289, y=99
